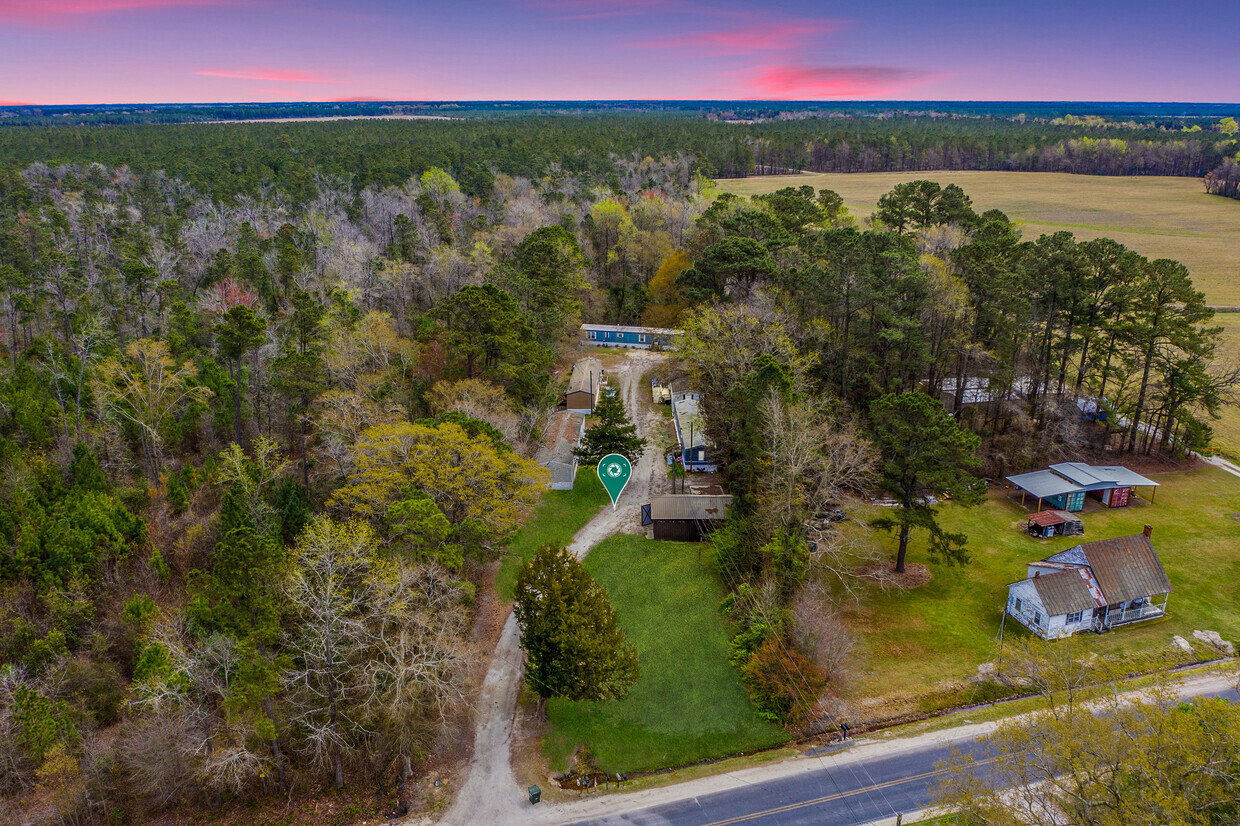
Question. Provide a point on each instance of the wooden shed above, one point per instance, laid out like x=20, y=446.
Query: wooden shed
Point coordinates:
x=1045, y=524
x=685, y=517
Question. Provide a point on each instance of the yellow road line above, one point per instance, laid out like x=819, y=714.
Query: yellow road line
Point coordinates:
x=838, y=796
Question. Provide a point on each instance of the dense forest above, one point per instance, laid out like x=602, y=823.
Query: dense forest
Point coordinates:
x=269, y=394
x=223, y=160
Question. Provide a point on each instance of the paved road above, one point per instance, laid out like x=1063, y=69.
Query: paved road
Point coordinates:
x=847, y=793
x=841, y=793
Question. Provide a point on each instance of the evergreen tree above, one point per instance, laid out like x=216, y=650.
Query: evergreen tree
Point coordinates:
x=573, y=645
x=612, y=432
x=924, y=452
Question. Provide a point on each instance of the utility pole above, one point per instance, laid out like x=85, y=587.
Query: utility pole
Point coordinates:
x=999, y=661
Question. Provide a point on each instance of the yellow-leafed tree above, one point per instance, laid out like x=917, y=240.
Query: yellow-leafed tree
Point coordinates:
x=470, y=479
x=666, y=303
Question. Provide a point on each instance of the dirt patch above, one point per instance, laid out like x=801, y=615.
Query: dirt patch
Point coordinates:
x=915, y=575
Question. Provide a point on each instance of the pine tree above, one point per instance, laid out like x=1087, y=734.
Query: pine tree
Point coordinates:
x=612, y=432
x=924, y=452
x=574, y=647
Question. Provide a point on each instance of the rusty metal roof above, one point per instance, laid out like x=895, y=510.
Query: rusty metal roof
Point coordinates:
x=1126, y=568
x=1065, y=592
x=1047, y=518
x=689, y=506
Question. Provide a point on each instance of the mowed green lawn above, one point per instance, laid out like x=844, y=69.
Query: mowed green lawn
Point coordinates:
x=688, y=704
x=920, y=642
x=555, y=521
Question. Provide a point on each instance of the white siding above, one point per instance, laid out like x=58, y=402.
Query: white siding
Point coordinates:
x=1030, y=607
x=1050, y=628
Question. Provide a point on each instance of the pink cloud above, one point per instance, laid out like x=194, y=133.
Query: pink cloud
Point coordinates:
x=357, y=99
x=751, y=38
x=278, y=75
x=47, y=11
x=809, y=82
x=275, y=91
x=15, y=103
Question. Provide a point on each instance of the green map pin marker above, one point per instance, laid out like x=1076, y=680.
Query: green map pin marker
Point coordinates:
x=614, y=471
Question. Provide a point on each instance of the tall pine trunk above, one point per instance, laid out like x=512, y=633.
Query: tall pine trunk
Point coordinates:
x=904, y=529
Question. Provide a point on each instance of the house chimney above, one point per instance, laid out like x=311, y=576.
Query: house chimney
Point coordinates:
x=1149, y=529
x=1037, y=574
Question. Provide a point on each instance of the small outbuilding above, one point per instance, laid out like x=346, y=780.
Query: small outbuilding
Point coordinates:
x=685, y=517
x=696, y=451
x=584, y=386
x=1045, y=524
x=1064, y=486
x=1095, y=586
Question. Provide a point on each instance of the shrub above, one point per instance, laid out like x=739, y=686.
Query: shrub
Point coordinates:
x=783, y=684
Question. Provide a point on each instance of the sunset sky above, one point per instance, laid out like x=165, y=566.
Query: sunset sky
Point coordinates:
x=122, y=51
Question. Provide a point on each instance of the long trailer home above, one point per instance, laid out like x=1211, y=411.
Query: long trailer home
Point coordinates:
x=640, y=338
x=1095, y=586
x=584, y=386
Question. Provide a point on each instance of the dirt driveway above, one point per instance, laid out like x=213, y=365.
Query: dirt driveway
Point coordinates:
x=490, y=794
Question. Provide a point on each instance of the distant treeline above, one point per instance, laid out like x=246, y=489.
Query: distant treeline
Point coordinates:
x=225, y=160
x=1158, y=115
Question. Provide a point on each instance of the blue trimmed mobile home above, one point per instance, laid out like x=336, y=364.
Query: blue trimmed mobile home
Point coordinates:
x=641, y=338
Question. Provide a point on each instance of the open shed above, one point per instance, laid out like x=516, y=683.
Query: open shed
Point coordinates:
x=1045, y=524
x=1064, y=486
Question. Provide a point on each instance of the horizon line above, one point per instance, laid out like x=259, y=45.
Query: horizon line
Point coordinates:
x=834, y=102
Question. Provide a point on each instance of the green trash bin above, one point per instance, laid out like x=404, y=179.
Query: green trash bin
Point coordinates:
x=535, y=794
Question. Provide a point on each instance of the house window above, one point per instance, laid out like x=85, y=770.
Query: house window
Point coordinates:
x=1017, y=606
x=1075, y=616
x=593, y=335
x=607, y=334
x=641, y=338
x=1037, y=617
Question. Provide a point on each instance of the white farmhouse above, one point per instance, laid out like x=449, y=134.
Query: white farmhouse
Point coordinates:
x=1095, y=586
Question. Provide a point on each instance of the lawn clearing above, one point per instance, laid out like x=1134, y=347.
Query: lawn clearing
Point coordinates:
x=555, y=521
x=688, y=704
x=916, y=648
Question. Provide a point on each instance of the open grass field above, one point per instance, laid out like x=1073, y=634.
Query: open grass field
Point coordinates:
x=1158, y=217
x=688, y=704
x=555, y=521
x=920, y=642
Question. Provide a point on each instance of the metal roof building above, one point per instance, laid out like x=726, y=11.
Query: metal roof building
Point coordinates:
x=1094, y=586
x=1065, y=485
x=641, y=338
x=686, y=517
x=584, y=385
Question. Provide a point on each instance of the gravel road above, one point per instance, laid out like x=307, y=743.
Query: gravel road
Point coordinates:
x=490, y=794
